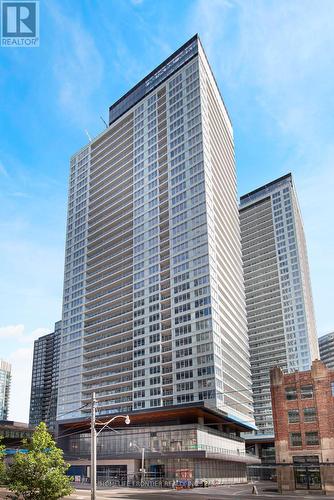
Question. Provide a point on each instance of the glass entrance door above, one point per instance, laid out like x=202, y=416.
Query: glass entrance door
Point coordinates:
x=314, y=478
x=307, y=478
x=301, y=478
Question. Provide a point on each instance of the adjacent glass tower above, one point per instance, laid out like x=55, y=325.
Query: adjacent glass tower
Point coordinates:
x=279, y=301
x=44, y=382
x=154, y=307
x=5, y=379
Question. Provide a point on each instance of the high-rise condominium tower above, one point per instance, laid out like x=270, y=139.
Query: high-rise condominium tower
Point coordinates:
x=44, y=382
x=5, y=378
x=279, y=302
x=154, y=307
x=326, y=348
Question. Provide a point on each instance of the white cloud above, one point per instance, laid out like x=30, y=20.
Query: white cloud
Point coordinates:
x=39, y=332
x=21, y=361
x=11, y=331
x=78, y=67
x=17, y=333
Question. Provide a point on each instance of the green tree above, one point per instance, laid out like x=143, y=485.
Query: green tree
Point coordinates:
x=39, y=474
x=2, y=463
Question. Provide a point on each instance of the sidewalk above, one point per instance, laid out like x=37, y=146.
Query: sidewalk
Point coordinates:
x=265, y=490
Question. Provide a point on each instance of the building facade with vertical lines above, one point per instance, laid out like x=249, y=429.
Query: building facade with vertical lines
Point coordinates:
x=154, y=308
x=280, y=313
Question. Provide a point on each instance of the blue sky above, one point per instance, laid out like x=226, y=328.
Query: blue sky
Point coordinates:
x=274, y=64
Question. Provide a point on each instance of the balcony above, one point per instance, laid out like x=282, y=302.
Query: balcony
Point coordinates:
x=93, y=302
x=98, y=331
x=102, y=311
x=109, y=373
x=109, y=354
x=100, y=286
x=111, y=362
x=101, y=346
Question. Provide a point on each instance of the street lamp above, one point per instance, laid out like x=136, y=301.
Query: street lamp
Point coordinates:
x=94, y=435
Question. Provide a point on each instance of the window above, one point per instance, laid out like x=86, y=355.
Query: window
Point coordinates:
x=154, y=380
x=290, y=393
x=184, y=363
x=295, y=439
x=332, y=386
x=310, y=414
x=184, y=386
x=312, y=438
x=293, y=416
x=306, y=391
x=184, y=374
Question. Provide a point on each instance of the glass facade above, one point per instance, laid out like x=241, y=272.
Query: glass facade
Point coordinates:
x=326, y=348
x=163, y=439
x=70, y=365
x=154, y=310
x=171, y=452
x=44, y=382
x=154, y=79
x=164, y=472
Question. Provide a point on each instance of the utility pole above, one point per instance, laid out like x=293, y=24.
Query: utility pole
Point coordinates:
x=93, y=450
x=142, y=466
x=94, y=435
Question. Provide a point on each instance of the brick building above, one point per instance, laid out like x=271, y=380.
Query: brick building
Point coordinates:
x=303, y=410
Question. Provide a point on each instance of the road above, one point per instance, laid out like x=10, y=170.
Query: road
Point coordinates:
x=265, y=490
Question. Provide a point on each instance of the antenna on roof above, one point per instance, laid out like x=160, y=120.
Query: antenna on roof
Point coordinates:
x=89, y=137
x=104, y=121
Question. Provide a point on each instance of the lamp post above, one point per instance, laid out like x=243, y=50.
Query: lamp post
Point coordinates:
x=94, y=435
x=142, y=476
x=142, y=466
x=93, y=450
